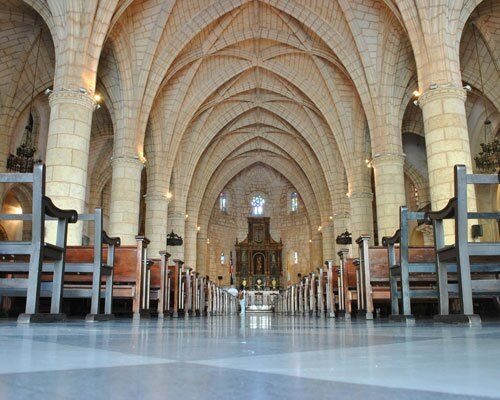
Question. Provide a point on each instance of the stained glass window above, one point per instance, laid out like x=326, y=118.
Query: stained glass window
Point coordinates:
x=258, y=205
x=294, y=202
x=223, y=202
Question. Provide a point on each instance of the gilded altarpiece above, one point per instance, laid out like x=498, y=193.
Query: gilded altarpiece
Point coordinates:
x=259, y=257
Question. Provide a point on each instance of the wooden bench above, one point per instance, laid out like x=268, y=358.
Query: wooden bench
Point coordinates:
x=85, y=269
x=29, y=256
x=470, y=257
x=373, y=277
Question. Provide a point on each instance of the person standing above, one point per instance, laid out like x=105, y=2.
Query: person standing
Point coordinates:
x=242, y=299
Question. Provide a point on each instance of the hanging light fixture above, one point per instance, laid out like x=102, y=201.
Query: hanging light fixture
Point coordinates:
x=488, y=159
x=23, y=160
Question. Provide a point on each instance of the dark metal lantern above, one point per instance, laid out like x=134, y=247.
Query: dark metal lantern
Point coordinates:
x=173, y=239
x=344, y=238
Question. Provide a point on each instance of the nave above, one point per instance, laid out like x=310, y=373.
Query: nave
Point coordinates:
x=257, y=357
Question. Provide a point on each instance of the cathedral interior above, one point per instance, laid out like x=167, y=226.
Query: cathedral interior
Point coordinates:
x=259, y=199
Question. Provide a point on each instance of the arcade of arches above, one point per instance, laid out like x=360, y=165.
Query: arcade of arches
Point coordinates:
x=308, y=103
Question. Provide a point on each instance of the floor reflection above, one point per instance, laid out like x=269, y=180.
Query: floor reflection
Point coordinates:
x=260, y=321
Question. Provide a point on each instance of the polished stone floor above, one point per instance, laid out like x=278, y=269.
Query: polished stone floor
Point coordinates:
x=258, y=357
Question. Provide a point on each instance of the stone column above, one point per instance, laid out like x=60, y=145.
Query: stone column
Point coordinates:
x=316, y=252
x=390, y=191
x=176, y=222
x=67, y=155
x=190, y=241
x=328, y=241
x=125, y=198
x=201, y=253
x=361, y=215
x=156, y=221
x=447, y=143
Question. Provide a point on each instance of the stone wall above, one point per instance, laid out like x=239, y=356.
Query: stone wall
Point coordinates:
x=292, y=227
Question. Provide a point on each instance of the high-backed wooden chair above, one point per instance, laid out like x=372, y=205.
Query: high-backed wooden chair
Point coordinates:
x=462, y=252
x=88, y=261
x=29, y=256
x=401, y=268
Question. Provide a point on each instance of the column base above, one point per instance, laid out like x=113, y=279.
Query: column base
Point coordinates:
x=143, y=314
x=343, y=314
x=408, y=319
x=470, y=319
x=40, y=318
x=99, y=317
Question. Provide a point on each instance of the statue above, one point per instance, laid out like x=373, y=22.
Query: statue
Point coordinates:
x=259, y=267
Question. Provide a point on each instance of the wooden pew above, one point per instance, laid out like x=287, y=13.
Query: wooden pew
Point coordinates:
x=479, y=257
x=344, y=294
x=31, y=255
x=376, y=288
x=85, y=269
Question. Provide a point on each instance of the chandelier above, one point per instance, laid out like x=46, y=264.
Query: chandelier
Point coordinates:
x=24, y=159
x=488, y=159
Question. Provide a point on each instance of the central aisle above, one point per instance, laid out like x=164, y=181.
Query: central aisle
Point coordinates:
x=258, y=357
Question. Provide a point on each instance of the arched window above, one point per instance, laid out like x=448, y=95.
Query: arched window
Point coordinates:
x=258, y=205
x=294, y=202
x=223, y=202
x=295, y=257
x=222, y=258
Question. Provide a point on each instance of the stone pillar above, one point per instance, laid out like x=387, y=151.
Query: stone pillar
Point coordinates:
x=447, y=144
x=390, y=191
x=125, y=198
x=190, y=241
x=361, y=215
x=67, y=155
x=328, y=241
x=156, y=221
x=201, y=253
x=176, y=222
x=316, y=252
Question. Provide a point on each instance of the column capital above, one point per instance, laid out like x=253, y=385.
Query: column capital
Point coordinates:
x=133, y=161
x=360, y=194
x=425, y=229
x=341, y=215
x=155, y=197
x=388, y=158
x=442, y=92
x=72, y=96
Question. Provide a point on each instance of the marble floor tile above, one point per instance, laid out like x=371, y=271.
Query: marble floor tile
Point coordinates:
x=259, y=357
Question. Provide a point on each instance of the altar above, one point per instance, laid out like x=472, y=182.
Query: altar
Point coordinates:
x=260, y=301
x=259, y=258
